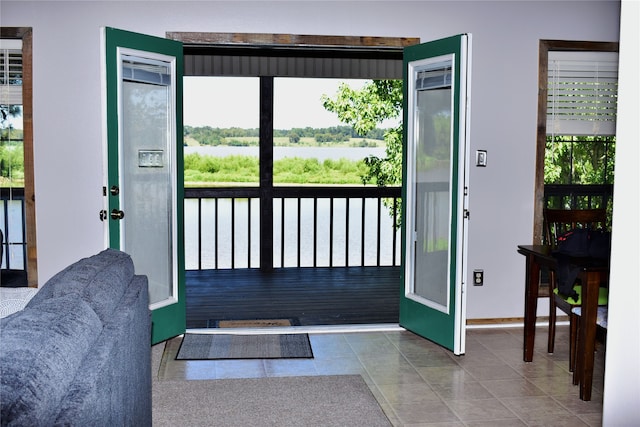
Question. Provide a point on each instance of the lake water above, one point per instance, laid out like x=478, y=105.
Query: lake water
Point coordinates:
x=245, y=257
x=351, y=153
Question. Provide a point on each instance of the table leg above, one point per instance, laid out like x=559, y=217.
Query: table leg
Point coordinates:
x=532, y=279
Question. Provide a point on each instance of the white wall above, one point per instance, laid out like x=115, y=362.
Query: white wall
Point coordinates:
x=622, y=371
x=68, y=119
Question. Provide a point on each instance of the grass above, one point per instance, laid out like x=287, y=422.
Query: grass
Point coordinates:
x=209, y=170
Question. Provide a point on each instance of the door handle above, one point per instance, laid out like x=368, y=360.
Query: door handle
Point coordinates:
x=114, y=190
x=117, y=214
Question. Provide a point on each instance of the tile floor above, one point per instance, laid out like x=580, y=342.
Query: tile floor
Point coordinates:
x=417, y=383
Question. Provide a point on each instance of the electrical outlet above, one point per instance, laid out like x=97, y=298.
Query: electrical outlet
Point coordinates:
x=478, y=277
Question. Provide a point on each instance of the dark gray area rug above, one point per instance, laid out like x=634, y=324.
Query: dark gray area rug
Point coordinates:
x=232, y=346
x=342, y=400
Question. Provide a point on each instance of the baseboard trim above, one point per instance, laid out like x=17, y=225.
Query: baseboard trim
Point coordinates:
x=511, y=322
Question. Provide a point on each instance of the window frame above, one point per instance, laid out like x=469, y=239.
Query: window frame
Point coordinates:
x=543, y=61
x=26, y=35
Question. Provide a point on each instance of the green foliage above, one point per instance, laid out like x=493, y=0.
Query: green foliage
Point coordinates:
x=11, y=148
x=296, y=170
x=208, y=169
x=11, y=163
x=198, y=168
x=579, y=160
x=364, y=110
x=294, y=138
x=207, y=135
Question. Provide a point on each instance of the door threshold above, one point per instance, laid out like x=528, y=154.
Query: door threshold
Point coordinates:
x=311, y=329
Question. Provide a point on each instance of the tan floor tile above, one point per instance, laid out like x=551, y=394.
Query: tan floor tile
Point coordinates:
x=463, y=390
x=240, y=369
x=480, y=410
x=512, y=388
x=493, y=372
x=290, y=367
x=444, y=375
x=425, y=412
x=407, y=393
x=509, y=422
x=574, y=404
x=533, y=407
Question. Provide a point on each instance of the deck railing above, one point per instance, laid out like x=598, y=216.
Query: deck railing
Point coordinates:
x=321, y=226
x=592, y=196
x=12, y=224
x=310, y=227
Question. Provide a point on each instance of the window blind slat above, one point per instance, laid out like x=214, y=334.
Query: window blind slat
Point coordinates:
x=10, y=77
x=582, y=93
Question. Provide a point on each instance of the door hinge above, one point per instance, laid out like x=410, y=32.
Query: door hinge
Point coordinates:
x=466, y=214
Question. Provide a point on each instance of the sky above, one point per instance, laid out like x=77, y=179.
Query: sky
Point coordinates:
x=234, y=102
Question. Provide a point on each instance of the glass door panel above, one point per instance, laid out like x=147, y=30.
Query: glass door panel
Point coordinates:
x=433, y=113
x=146, y=175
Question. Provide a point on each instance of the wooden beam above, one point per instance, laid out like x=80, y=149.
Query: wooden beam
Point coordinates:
x=301, y=40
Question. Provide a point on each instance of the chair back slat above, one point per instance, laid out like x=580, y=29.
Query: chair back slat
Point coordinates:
x=559, y=221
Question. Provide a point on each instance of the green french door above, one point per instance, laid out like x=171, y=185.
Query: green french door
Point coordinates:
x=435, y=183
x=144, y=189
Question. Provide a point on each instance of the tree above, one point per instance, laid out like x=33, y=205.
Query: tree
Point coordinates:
x=365, y=109
x=579, y=160
x=294, y=138
x=11, y=150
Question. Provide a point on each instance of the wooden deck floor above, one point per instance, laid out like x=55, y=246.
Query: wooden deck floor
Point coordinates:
x=313, y=296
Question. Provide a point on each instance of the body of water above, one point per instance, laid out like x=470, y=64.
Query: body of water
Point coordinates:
x=351, y=153
x=247, y=239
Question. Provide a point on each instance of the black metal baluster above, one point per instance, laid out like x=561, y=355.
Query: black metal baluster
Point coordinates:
x=346, y=232
x=378, y=231
x=362, y=234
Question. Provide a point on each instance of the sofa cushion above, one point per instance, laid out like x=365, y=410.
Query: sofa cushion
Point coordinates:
x=42, y=347
x=100, y=280
x=113, y=385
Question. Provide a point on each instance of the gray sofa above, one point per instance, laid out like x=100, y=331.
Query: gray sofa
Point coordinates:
x=80, y=352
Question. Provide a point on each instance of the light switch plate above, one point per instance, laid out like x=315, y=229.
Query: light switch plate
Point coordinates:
x=481, y=158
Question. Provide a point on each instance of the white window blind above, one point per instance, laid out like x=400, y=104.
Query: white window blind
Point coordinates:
x=582, y=93
x=10, y=72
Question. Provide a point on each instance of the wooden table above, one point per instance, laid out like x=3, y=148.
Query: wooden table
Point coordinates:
x=593, y=271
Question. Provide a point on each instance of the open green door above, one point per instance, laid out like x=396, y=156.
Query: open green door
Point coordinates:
x=144, y=183
x=435, y=183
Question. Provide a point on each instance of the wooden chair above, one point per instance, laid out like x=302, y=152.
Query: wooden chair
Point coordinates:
x=602, y=320
x=557, y=222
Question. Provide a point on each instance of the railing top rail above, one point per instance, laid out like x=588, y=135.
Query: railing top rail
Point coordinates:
x=7, y=193
x=296, y=192
x=578, y=189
